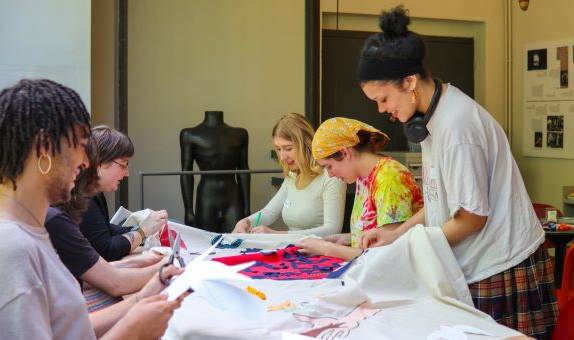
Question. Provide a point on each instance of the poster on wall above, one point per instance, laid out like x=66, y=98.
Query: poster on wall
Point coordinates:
x=549, y=100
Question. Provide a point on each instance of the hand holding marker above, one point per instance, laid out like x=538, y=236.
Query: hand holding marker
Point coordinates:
x=257, y=219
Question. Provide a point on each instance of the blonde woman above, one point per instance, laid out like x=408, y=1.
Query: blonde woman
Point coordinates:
x=309, y=201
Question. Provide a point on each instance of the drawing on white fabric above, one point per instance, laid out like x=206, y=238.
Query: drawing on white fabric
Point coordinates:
x=226, y=244
x=330, y=328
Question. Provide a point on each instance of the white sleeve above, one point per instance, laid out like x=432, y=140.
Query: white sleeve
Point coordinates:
x=27, y=316
x=466, y=179
x=333, y=210
x=270, y=213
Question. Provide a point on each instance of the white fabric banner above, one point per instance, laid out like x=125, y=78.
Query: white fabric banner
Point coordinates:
x=412, y=289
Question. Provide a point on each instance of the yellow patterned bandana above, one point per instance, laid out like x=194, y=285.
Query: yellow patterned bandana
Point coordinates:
x=338, y=133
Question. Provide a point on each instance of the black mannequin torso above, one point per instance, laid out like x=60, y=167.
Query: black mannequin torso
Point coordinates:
x=223, y=199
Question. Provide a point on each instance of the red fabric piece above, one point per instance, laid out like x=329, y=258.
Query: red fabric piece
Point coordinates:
x=285, y=264
x=564, y=329
x=566, y=291
x=243, y=258
x=164, y=237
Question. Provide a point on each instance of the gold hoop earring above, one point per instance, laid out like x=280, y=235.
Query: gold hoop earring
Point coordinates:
x=42, y=171
x=414, y=97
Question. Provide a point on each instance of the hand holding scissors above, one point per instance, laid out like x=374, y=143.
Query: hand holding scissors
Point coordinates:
x=175, y=255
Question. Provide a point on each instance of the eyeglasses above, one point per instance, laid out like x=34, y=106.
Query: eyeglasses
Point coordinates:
x=122, y=166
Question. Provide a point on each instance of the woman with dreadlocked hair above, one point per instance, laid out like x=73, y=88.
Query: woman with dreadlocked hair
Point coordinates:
x=113, y=278
x=44, y=128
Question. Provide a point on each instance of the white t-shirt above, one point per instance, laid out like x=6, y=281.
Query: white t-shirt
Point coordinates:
x=467, y=163
x=316, y=209
x=39, y=297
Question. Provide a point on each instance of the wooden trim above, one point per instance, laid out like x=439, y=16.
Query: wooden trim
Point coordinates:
x=312, y=60
x=363, y=34
x=121, y=87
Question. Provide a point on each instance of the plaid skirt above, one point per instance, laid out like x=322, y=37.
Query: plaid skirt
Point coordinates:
x=521, y=297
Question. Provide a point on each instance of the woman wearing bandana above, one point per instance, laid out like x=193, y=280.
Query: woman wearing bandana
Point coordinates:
x=386, y=193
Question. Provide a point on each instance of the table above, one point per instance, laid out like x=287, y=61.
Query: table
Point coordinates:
x=560, y=239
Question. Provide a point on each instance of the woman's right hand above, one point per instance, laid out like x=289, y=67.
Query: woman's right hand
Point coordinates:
x=243, y=226
x=343, y=239
x=377, y=237
x=154, y=222
x=154, y=285
x=150, y=316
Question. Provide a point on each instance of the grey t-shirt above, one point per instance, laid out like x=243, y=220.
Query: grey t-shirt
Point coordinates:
x=39, y=298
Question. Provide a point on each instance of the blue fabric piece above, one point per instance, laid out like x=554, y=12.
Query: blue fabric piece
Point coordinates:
x=226, y=245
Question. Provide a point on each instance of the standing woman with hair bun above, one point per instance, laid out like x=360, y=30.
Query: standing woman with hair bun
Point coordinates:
x=472, y=187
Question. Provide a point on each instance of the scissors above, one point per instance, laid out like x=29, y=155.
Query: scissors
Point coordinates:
x=175, y=245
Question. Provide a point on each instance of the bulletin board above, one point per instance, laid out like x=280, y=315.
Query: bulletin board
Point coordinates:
x=549, y=100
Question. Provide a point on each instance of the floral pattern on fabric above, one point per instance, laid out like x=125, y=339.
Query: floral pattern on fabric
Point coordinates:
x=389, y=194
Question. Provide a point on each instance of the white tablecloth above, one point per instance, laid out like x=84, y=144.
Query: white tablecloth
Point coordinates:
x=406, y=290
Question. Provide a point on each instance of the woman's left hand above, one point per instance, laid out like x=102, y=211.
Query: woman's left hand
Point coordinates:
x=148, y=258
x=314, y=246
x=265, y=230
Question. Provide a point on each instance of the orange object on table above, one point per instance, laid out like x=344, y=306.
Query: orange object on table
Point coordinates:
x=564, y=226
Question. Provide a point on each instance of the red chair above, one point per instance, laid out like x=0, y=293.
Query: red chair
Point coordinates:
x=566, y=291
x=540, y=210
x=564, y=329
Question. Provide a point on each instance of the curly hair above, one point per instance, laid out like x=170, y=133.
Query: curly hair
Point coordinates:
x=35, y=114
x=396, y=42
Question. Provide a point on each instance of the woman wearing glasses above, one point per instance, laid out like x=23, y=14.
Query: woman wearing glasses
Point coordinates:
x=113, y=242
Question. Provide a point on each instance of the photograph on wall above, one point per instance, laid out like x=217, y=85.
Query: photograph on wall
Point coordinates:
x=554, y=140
x=547, y=126
x=555, y=123
x=562, y=57
x=537, y=60
x=547, y=71
x=548, y=99
x=538, y=139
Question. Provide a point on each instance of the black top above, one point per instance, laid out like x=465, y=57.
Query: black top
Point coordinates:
x=72, y=247
x=105, y=237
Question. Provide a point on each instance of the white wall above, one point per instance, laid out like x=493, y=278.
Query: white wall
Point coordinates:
x=481, y=20
x=549, y=20
x=246, y=58
x=46, y=39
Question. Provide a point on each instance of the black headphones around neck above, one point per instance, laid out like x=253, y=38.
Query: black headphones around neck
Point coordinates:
x=416, y=127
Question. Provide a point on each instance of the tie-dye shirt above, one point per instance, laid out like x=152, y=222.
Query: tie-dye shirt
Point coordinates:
x=389, y=194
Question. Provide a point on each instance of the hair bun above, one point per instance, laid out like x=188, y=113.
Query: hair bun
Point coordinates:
x=394, y=23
